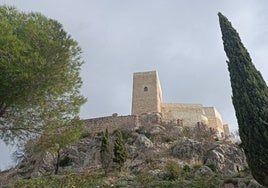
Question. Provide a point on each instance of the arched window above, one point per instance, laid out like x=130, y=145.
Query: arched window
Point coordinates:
x=145, y=89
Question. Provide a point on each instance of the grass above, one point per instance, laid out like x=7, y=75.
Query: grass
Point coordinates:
x=143, y=179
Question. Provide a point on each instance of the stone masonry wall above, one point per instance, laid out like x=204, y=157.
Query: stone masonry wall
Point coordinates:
x=124, y=123
x=214, y=118
x=190, y=114
x=147, y=94
x=112, y=123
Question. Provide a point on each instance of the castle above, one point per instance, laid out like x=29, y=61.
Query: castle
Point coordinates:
x=148, y=108
x=147, y=98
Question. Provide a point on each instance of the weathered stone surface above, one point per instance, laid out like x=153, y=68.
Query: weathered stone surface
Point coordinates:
x=254, y=184
x=86, y=153
x=204, y=171
x=226, y=158
x=156, y=129
x=142, y=140
x=239, y=183
x=165, y=144
x=188, y=149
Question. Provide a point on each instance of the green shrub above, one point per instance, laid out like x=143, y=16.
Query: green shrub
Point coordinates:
x=85, y=134
x=66, y=161
x=212, y=166
x=186, y=168
x=70, y=180
x=145, y=178
x=168, y=139
x=174, y=171
x=196, y=166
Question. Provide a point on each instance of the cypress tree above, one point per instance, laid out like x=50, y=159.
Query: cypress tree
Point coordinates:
x=105, y=151
x=250, y=100
x=120, y=151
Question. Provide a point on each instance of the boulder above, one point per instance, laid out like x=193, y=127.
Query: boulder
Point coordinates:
x=226, y=158
x=254, y=184
x=143, y=141
x=204, y=171
x=156, y=129
x=188, y=149
x=239, y=182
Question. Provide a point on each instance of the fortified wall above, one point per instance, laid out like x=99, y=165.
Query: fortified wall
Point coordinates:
x=148, y=108
x=147, y=98
x=125, y=123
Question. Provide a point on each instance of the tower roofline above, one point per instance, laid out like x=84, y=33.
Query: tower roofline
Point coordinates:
x=147, y=72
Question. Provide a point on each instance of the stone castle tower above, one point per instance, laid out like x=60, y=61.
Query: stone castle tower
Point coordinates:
x=147, y=94
x=147, y=98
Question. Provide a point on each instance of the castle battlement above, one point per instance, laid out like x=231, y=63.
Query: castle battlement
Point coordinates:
x=148, y=109
x=147, y=98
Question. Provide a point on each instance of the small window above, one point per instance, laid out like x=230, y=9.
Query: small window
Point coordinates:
x=145, y=89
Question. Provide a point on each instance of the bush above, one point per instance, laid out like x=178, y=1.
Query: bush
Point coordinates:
x=70, y=180
x=85, y=134
x=174, y=171
x=145, y=178
x=186, y=168
x=66, y=161
x=212, y=166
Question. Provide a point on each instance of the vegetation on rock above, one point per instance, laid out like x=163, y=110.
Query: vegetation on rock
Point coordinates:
x=142, y=179
x=56, y=140
x=250, y=100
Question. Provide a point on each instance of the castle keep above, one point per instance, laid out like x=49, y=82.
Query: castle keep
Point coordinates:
x=147, y=98
x=148, y=109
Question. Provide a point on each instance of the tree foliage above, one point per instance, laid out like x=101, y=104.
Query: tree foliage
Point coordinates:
x=39, y=74
x=120, y=151
x=250, y=100
x=105, y=151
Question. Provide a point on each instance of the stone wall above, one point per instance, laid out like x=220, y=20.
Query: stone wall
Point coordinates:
x=214, y=119
x=124, y=123
x=190, y=114
x=110, y=122
x=226, y=130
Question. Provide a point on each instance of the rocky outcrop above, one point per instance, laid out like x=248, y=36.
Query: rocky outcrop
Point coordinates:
x=142, y=140
x=86, y=153
x=204, y=171
x=149, y=147
x=188, y=150
x=239, y=183
x=226, y=159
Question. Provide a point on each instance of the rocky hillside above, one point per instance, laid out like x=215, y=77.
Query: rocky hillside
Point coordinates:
x=165, y=152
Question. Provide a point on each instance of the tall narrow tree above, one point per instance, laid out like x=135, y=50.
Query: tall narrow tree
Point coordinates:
x=250, y=100
x=120, y=151
x=105, y=151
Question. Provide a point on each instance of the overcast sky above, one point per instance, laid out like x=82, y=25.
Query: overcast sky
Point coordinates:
x=181, y=39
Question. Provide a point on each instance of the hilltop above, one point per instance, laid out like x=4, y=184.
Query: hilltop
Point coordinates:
x=158, y=154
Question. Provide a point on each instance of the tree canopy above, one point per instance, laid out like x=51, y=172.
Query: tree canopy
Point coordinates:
x=250, y=100
x=39, y=74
